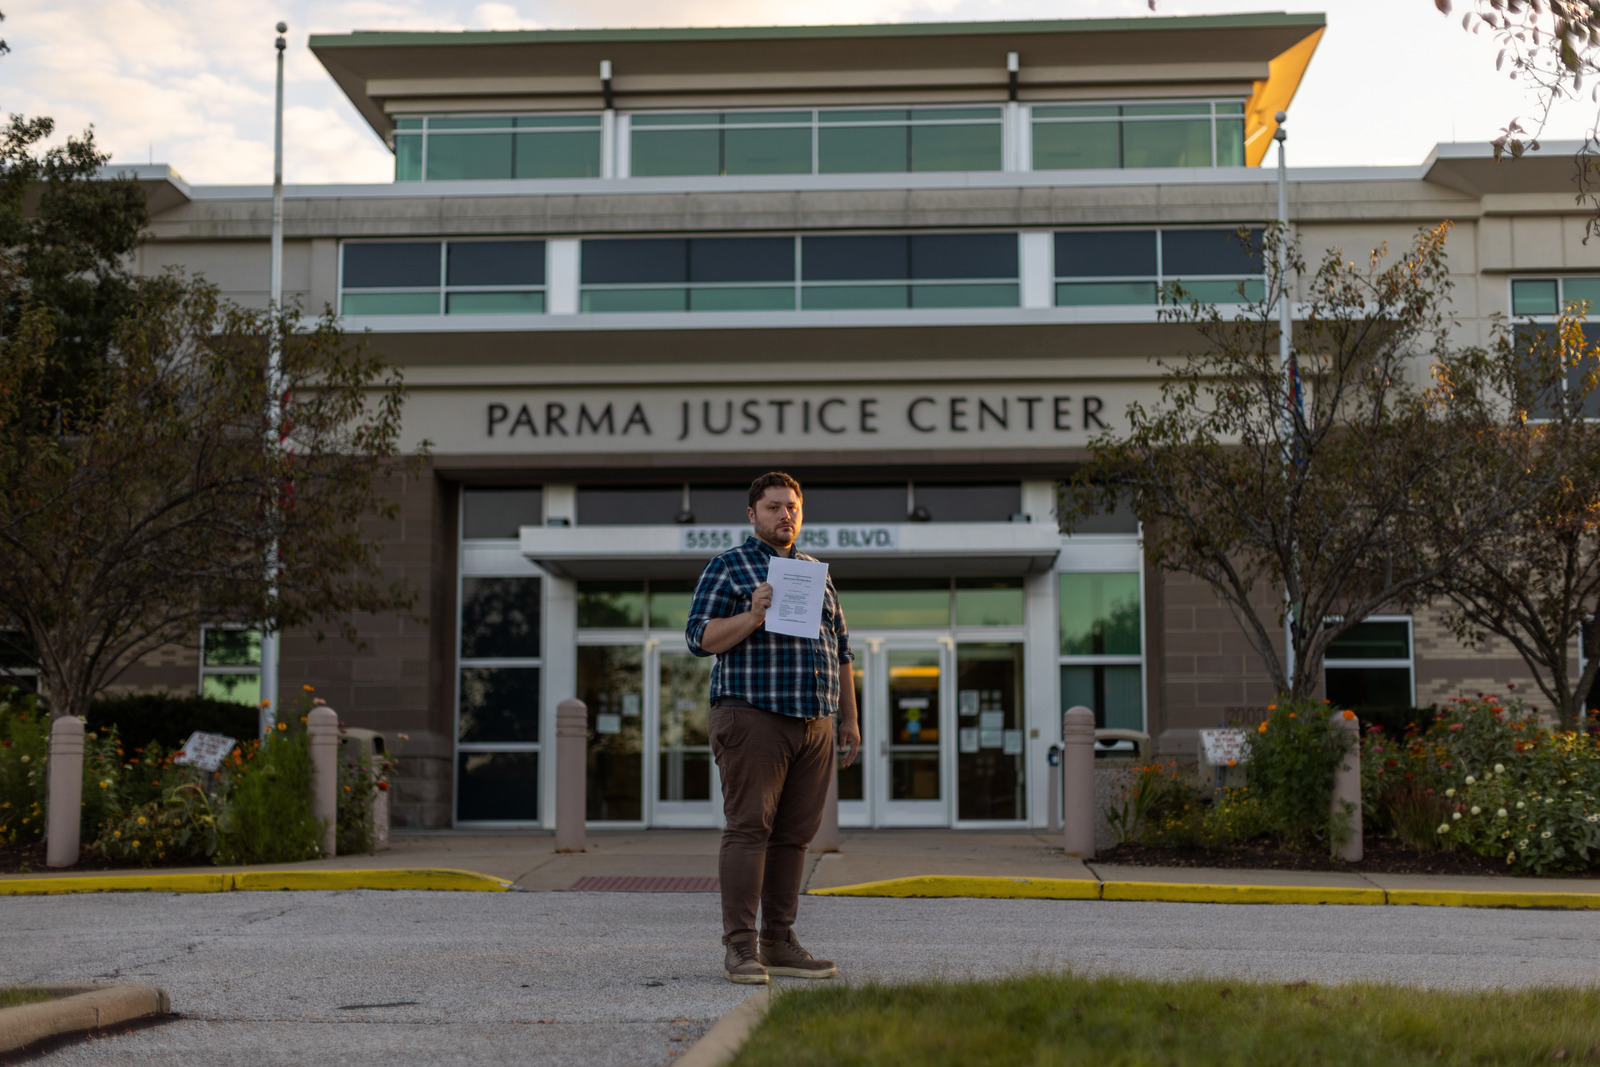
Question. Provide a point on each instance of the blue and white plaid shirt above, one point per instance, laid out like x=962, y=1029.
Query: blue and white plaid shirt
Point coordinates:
x=788, y=675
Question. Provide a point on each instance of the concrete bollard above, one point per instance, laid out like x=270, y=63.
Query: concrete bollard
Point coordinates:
x=64, y=800
x=323, y=726
x=1347, y=786
x=572, y=772
x=1077, y=774
x=827, y=839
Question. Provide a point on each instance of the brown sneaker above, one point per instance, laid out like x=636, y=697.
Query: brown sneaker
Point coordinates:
x=741, y=965
x=787, y=958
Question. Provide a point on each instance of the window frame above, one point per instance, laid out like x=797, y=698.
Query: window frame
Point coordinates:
x=206, y=671
x=444, y=290
x=1106, y=659
x=1160, y=280
x=1034, y=119
x=1409, y=663
x=424, y=133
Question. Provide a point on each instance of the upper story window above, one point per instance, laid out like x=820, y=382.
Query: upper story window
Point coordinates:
x=442, y=147
x=442, y=277
x=1111, y=267
x=1177, y=133
x=1544, y=299
x=827, y=141
x=844, y=272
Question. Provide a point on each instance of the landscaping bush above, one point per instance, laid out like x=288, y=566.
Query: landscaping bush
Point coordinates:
x=266, y=817
x=359, y=779
x=169, y=718
x=1165, y=806
x=180, y=825
x=1293, y=757
x=24, y=747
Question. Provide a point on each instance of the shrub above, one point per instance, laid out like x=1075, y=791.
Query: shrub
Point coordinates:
x=359, y=777
x=180, y=825
x=169, y=718
x=266, y=817
x=1164, y=806
x=24, y=747
x=1293, y=758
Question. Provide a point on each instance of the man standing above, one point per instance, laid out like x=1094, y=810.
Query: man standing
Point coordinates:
x=773, y=698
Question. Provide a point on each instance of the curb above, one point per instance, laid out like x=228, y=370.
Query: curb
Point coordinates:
x=435, y=878
x=727, y=1036
x=1200, y=893
x=86, y=1008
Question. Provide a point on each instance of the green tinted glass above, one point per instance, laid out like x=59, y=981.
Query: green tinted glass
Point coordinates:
x=390, y=303
x=1222, y=290
x=607, y=300
x=986, y=295
x=1178, y=143
x=1234, y=108
x=1372, y=640
x=591, y=122
x=1104, y=294
x=1077, y=145
x=1167, y=109
x=863, y=115
x=774, y=298
x=946, y=148
x=955, y=114
x=660, y=153
x=1533, y=296
x=469, y=155
x=862, y=150
x=767, y=151
x=1100, y=614
x=610, y=604
x=408, y=124
x=1580, y=290
x=751, y=118
x=573, y=154
x=408, y=158
x=507, y=303
x=1075, y=111
x=1111, y=691
x=669, y=604
x=1363, y=689
x=471, y=122
x=997, y=605
x=233, y=688
x=232, y=648
x=677, y=118
x=853, y=297
x=895, y=609
x=1230, y=142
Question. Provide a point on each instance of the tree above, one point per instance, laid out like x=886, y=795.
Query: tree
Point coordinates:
x=1538, y=586
x=143, y=509
x=1334, y=501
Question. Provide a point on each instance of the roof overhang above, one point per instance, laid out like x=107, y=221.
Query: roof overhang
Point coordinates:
x=1470, y=167
x=893, y=550
x=1263, y=55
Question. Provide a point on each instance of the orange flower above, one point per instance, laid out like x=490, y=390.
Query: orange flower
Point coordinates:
x=1348, y=714
x=309, y=688
x=1261, y=729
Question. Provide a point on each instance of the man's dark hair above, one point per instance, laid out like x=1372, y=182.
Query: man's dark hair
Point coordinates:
x=770, y=479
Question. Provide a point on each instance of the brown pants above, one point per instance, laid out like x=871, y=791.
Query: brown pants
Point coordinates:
x=775, y=771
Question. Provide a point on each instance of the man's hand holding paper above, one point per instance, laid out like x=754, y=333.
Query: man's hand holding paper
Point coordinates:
x=798, y=589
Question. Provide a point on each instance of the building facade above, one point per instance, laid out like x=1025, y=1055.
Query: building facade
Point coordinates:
x=918, y=267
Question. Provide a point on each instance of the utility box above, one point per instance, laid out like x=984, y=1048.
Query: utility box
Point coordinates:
x=356, y=744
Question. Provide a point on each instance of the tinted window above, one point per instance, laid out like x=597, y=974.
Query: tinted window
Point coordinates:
x=1209, y=252
x=969, y=503
x=496, y=263
x=1107, y=254
x=499, y=618
x=719, y=505
x=741, y=259
x=854, y=503
x=855, y=258
x=628, y=505
x=1372, y=640
x=372, y=266
x=499, y=513
x=659, y=259
x=975, y=255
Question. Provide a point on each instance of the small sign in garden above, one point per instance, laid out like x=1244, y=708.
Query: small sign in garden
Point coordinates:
x=206, y=751
x=1223, y=747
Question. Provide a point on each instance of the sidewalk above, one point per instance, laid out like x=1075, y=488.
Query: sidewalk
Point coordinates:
x=927, y=863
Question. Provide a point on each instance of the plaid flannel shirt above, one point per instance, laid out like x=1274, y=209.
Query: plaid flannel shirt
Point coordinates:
x=788, y=675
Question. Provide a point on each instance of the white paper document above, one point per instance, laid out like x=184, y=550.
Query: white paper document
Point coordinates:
x=798, y=588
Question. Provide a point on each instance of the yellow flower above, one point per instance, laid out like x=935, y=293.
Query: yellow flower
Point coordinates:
x=141, y=820
x=136, y=842
x=283, y=726
x=116, y=833
x=309, y=688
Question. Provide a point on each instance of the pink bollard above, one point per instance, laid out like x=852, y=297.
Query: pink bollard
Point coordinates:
x=572, y=774
x=323, y=726
x=64, y=801
x=1347, y=787
x=1077, y=773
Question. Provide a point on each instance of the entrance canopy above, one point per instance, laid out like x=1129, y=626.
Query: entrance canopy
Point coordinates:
x=900, y=550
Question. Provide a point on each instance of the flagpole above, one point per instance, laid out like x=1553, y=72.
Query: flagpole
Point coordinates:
x=269, y=636
x=1285, y=328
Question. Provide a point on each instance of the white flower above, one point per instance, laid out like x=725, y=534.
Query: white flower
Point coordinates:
x=1520, y=805
x=1444, y=828
x=1476, y=809
x=1523, y=843
x=1593, y=818
x=1450, y=792
x=1499, y=768
x=1471, y=780
x=27, y=759
x=1549, y=800
x=1545, y=834
x=1501, y=814
x=1488, y=777
x=1455, y=815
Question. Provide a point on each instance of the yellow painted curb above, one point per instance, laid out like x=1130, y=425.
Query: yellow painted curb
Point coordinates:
x=394, y=878
x=1480, y=898
x=1185, y=893
x=941, y=885
x=128, y=883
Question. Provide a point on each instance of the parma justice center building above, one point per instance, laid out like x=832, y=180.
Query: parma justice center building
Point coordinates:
x=918, y=267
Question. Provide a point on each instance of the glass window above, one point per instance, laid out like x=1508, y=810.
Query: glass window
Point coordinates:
x=1176, y=143
x=1369, y=666
x=718, y=505
x=963, y=147
x=615, y=605
x=854, y=503
x=1230, y=140
x=669, y=604
x=408, y=158
x=634, y=260
x=741, y=259
x=863, y=150
x=1210, y=252
x=1535, y=296
x=1112, y=691
x=391, y=265
x=909, y=604
x=768, y=151
x=1100, y=614
x=988, y=602
x=968, y=503
x=499, y=704
x=469, y=155
x=495, y=263
x=669, y=153
x=1148, y=134
x=1582, y=291
x=990, y=762
x=497, y=786
x=1106, y=254
x=403, y=278
x=615, y=505
x=965, y=255
x=574, y=154
x=1134, y=267
x=855, y=257
x=499, y=513
x=230, y=664
x=500, y=618
x=611, y=686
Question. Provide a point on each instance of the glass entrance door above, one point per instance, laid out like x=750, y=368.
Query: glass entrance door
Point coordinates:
x=914, y=744
x=686, y=790
x=990, y=763
x=611, y=685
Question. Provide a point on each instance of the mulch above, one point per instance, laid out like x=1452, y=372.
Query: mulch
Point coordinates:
x=29, y=859
x=1384, y=855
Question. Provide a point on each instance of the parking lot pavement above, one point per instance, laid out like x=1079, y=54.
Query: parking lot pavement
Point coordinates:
x=633, y=978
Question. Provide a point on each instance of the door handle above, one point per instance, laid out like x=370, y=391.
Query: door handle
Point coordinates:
x=883, y=749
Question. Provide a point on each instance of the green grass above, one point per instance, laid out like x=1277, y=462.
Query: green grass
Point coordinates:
x=15, y=996
x=1069, y=1019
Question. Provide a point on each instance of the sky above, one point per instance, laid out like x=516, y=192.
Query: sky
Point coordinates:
x=190, y=82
